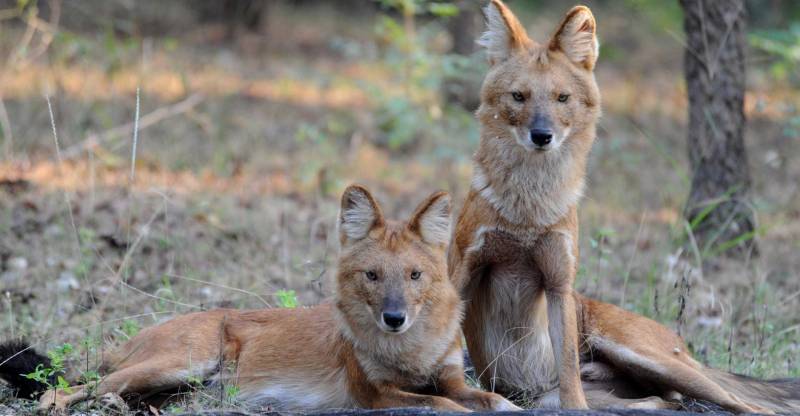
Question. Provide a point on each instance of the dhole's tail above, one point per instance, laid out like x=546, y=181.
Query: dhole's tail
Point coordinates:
x=780, y=396
x=17, y=358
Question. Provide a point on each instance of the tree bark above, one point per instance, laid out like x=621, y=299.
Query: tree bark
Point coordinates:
x=718, y=208
x=464, y=29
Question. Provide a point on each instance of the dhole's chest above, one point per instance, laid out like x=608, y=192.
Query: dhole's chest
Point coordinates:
x=505, y=257
x=508, y=307
x=411, y=366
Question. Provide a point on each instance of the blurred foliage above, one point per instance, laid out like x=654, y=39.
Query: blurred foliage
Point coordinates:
x=412, y=52
x=662, y=15
x=114, y=52
x=784, y=46
x=287, y=298
x=439, y=9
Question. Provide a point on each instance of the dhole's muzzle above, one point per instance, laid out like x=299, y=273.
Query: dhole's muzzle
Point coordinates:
x=394, y=314
x=541, y=131
x=540, y=134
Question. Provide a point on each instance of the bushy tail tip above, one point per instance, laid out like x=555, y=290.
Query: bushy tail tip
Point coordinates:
x=780, y=396
x=17, y=358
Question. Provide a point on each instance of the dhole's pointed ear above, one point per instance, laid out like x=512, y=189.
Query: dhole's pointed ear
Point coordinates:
x=431, y=220
x=576, y=37
x=504, y=33
x=359, y=214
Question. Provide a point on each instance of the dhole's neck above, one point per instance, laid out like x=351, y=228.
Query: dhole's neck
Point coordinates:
x=528, y=187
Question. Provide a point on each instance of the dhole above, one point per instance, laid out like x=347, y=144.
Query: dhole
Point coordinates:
x=515, y=247
x=514, y=252
x=390, y=338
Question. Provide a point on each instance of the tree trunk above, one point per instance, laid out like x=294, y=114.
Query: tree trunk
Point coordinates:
x=718, y=209
x=464, y=28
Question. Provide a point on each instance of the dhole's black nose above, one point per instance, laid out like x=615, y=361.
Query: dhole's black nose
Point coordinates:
x=394, y=319
x=541, y=137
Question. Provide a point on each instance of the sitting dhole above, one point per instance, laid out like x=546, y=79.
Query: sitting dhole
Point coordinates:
x=390, y=338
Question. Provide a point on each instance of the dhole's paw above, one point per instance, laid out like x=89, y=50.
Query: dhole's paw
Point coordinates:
x=54, y=401
x=596, y=371
x=484, y=401
x=653, y=403
x=501, y=404
x=444, y=404
x=113, y=402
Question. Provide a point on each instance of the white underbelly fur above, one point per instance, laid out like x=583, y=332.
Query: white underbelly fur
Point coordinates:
x=299, y=393
x=516, y=340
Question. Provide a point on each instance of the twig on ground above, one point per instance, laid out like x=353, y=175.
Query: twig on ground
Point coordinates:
x=146, y=121
x=629, y=267
x=221, y=286
x=135, y=136
x=67, y=199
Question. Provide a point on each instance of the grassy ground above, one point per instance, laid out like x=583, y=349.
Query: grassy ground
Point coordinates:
x=230, y=198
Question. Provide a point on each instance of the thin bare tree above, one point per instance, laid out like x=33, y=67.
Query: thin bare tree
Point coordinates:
x=718, y=209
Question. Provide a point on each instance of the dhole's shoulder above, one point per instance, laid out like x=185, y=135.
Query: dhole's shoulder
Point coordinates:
x=475, y=214
x=479, y=220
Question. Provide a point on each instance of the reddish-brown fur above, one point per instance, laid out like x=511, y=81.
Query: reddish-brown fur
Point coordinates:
x=516, y=237
x=514, y=251
x=335, y=355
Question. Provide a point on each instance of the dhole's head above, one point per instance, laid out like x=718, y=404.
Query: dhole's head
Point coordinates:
x=539, y=96
x=391, y=272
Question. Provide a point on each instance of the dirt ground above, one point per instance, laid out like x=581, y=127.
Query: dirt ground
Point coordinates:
x=243, y=146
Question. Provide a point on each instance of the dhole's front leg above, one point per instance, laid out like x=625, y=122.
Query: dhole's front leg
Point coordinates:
x=162, y=372
x=451, y=383
x=554, y=255
x=60, y=400
x=389, y=396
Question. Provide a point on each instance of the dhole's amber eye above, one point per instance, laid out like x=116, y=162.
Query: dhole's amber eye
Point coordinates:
x=371, y=275
x=415, y=275
x=562, y=98
x=518, y=97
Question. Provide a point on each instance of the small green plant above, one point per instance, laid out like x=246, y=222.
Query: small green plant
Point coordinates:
x=195, y=380
x=287, y=298
x=600, y=242
x=165, y=294
x=231, y=392
x=130, y=328
x=89, y=376
x=53, y=376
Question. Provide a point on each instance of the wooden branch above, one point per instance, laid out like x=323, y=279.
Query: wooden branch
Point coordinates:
x=146, y=121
